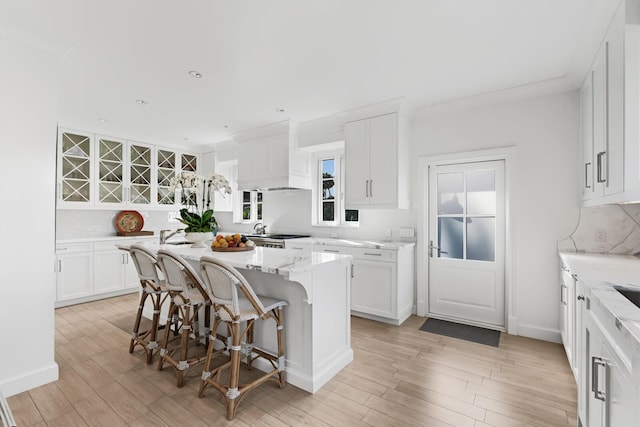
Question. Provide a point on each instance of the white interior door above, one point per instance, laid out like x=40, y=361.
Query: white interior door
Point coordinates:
x=467, y=243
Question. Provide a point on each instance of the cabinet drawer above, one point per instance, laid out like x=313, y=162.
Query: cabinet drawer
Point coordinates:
x=112, y=245
x=375, y=254
x=332, y=249
x=73, y=248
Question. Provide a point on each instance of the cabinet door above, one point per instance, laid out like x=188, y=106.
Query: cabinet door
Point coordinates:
x=75, y=168
x=586, y=94
x=621, y=402
x=614, y=159
x=383, y=160
x=110, y=171
x=595, y=383
x=356, y=149
x=74, y=278
x=166, y=168
x=373, y=288
x=140, y=161
x=108, y=271
x=600, y=121
x=568, y=303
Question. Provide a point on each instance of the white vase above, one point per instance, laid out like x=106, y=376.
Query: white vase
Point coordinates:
x=199, y=238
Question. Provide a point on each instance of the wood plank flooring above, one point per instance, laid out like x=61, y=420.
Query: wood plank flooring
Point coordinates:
x=400, y=376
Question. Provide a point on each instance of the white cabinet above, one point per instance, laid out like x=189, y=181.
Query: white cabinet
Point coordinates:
x=376, y=156
x=611, y=398
x=75, y=168
x=96, y=171
x=94, y=270
x=124, y=173
x=381, y=283
x=74, y=271
x=609, y=137
x=568, y=316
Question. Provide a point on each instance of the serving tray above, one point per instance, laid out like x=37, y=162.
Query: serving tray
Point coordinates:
x=246, y=248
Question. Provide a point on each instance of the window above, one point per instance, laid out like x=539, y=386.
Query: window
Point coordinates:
x=329, y=195
x=251, y=206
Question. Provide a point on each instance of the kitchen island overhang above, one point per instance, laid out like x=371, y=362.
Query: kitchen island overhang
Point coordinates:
x=317, y=288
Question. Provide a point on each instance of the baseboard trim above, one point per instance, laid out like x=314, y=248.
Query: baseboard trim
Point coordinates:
x=29, y=380
x=538, y=333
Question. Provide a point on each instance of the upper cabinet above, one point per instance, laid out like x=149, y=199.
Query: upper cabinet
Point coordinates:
x=609, y=110
x=376, y=154
x=269, y=158
x=75, y=168
x=96, y=171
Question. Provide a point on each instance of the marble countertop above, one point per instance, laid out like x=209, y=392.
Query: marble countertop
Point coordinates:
x=355, y=243
x=270, y=260
x=600, y=272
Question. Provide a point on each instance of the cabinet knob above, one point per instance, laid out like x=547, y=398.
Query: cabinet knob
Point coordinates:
x=580, y=297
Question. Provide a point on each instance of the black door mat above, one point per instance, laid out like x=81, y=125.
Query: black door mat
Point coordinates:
x=463, y=332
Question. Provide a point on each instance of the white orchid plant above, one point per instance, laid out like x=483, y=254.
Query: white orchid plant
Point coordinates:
x=194, y=187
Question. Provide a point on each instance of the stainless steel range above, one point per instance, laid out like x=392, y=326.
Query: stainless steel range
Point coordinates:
x=272, y=240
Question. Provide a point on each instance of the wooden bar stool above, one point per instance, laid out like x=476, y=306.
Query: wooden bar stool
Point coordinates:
x=187, y=297
x=153, y=288
x=222, y=282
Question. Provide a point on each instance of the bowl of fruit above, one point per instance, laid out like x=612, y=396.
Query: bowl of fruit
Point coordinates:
x=232, y=243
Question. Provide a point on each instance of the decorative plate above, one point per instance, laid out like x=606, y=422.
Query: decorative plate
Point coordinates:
x=236, y=249
x=128, y=221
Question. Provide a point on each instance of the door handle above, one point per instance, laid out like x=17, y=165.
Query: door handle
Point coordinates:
x=370, y=188
x=563, y=301
x=431, y=248
x=599, y=164
x=595, y=363
x=586, y=175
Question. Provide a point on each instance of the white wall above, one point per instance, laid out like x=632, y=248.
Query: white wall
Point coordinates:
x=28, y=110
x=545, y=131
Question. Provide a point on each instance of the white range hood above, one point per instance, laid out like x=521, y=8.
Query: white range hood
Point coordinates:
x=269, y=159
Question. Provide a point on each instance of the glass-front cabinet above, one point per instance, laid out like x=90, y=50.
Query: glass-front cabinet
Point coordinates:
x=75, y=165
x=167, y=168
x=106, y=172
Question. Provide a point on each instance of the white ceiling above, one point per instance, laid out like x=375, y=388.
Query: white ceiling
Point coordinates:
x=313, y=58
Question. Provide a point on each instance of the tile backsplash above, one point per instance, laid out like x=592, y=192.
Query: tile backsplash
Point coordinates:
x=86, y=223
x=610, y=229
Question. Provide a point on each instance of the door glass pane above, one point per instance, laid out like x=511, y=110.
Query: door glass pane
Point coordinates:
x=328, y=179
x=481, y=192
x=328, y=211
x=450, y=238
x=450, y=193
x=481, y=239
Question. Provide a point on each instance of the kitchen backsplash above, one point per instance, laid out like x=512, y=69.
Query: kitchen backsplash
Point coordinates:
x=612, y=229
x=286, y=211
x=73, y=224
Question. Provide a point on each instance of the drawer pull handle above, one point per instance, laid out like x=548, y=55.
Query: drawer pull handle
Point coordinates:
x=371, y=254
x=332, y=251
x=618, y=324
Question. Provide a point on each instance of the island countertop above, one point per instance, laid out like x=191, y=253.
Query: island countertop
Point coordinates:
x=288, y=263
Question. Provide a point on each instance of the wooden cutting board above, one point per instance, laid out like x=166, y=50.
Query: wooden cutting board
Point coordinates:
x=134, y=233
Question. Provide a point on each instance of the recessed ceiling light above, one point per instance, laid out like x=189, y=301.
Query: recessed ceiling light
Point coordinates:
x=225, y=126
x=280, y=110
x=141, y=101
x=185, y=138
x=103, y=120
x=195, y=74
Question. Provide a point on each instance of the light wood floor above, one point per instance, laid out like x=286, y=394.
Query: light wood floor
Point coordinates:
x=400, y=376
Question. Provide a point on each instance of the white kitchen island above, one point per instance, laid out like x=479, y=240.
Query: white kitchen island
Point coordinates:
x=317, y=320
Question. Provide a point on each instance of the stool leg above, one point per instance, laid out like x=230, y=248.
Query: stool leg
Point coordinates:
x=165, y=340
x=153, y=344
x=250, y=324
x=136, y=325
x=184, y=343
x=232, y=391
x=282, y=375
x=206, y=372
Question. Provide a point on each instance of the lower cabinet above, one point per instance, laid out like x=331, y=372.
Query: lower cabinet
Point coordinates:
x=381, y=283
x=93, y=270
x=567, y=316
x=74, y=271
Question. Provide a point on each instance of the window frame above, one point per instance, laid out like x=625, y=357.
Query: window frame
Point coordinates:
x=255, y=214
x=339, y=201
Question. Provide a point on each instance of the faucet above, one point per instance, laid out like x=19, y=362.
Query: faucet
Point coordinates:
x=260, y=228
x=164, y=236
